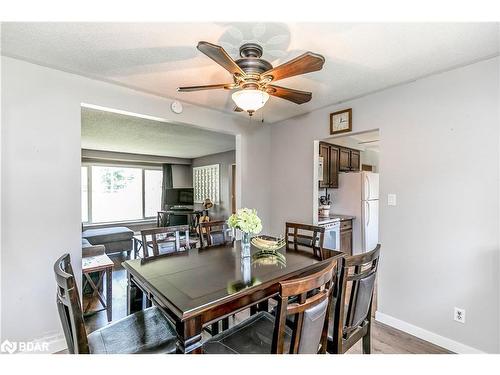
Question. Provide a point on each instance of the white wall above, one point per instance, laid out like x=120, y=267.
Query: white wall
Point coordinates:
x=255, y=172
x=370, y=157
x=440, y=155
x=41, y=180
x=182, y=176
x=225, y=160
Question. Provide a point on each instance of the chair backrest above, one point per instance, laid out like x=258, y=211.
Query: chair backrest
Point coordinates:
x=155, y=239
x=311, y=310
x=300, y=236
x=214, y=233
x=354, y=296
x=162, y=219
x=69, y=307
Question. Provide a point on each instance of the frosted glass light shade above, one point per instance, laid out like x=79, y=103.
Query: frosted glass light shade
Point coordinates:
x=250, y=100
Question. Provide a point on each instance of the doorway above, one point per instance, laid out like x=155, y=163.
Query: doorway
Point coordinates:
x=346, y=185
x=134, y=168
x=233, y=188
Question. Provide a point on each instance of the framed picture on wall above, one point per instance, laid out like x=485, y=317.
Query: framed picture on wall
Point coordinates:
x=341, y=121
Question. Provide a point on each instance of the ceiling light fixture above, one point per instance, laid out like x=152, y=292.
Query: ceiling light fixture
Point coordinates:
x=250, y=100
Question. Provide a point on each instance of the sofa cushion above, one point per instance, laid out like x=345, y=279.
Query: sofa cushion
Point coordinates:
x=105, y=235
x=92, y=251
x=85, y=243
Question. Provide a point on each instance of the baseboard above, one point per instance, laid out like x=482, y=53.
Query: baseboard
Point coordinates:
x=423, y=334
x=56, y=343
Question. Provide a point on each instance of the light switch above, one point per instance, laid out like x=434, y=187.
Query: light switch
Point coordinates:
x=391, y=199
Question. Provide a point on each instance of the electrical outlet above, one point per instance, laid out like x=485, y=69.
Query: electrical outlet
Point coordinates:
x=391, y=199
x=459, y=315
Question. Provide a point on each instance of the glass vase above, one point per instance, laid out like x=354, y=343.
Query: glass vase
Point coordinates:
x=245, y=244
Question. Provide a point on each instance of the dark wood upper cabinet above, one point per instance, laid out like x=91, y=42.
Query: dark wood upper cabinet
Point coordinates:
x=324, y=152
x=335, y=159
x=355, y=160
x=330, y=155
x=344, y=159
x=334, y=167
x=349, y=160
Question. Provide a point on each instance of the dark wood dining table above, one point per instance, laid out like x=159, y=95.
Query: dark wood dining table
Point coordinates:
x=198, y=287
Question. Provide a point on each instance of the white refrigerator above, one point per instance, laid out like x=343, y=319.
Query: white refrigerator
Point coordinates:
x=358, y=195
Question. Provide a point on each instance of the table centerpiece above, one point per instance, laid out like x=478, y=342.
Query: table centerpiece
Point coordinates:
x=247, y=222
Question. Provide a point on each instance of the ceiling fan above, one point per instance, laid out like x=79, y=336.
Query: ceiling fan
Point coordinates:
x=253, y=76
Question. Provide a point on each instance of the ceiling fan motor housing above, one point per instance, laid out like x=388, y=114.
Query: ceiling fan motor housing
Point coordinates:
x=250, y=61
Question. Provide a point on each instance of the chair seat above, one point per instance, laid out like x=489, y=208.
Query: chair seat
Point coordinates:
x=146, y=331
x=252, y=336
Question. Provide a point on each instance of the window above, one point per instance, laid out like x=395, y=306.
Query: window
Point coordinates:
x=152, y=192
x=114, y=193
x=206, y=183
x=85, y=195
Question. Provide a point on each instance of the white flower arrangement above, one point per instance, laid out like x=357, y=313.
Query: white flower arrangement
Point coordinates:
x=246, y=220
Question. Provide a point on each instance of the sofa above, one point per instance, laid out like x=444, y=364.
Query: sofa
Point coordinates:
x=114, y=239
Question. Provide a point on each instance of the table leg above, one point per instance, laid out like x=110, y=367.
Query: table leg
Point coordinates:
x=263, y=306
x=225, y=323
x=189, y=336
x=135, y=296
x=136, y=248
x=214, y=328
x=109, y=293
x=129, y=294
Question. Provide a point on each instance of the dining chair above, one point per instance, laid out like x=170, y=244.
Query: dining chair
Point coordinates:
x=304, y=236
x=263, y=333
x=351, y=317
x=147, y=331
x=165, y=240
x=214, y=233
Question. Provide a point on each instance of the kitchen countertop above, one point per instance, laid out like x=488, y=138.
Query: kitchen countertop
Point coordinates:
x=337, y=217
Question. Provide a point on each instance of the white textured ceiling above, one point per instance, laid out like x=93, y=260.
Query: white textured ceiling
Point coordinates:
x=159, y=57
x=368, y=140
x=120, y=133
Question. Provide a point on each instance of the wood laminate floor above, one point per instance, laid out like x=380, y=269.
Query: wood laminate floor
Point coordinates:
x=385, y=339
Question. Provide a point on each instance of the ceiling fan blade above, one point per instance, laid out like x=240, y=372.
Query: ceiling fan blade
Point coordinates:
x=227, y=86
x=237, y=109
x=305, y=63
x=220, y=56
x=296, y=96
